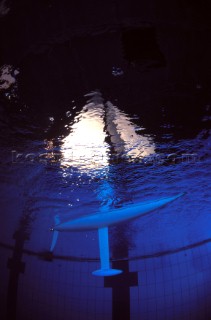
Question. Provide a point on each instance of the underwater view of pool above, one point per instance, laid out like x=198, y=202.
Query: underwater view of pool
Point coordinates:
x=90, y=126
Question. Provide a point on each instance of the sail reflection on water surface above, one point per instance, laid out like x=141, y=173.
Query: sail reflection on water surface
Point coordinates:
x=85, y=147
x=100, y=133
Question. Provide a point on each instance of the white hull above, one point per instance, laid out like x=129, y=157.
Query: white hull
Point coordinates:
x=114, y=216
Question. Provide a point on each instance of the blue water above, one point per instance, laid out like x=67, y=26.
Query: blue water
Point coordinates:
x=95, y=157
x=39, y=183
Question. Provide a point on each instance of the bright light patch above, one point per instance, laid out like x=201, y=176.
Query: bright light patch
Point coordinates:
x=85, y=146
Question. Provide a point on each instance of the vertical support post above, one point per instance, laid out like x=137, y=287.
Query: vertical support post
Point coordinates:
x=104, y=255
x=104, y=248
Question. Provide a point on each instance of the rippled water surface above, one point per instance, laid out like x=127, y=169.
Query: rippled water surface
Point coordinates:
x=96, y=155
x=105, y=105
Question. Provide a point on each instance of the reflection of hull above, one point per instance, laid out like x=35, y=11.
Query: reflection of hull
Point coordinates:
x=105, y=219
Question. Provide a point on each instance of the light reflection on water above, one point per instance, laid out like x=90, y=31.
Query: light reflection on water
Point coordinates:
x=97, y=167
x=85, y=147
x=99, y=133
